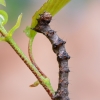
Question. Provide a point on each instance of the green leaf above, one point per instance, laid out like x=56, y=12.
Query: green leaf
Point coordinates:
x=3, y=2
x=10, y=33
x=3, y=17
x=58, y=6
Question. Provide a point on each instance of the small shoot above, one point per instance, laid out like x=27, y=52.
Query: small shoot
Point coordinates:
x=35, y=84
x=10, y=33
x=3, y=21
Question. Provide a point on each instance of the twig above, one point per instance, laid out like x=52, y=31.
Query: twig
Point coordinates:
x=58, y=46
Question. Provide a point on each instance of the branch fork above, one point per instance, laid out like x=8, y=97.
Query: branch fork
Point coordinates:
x=58, y=46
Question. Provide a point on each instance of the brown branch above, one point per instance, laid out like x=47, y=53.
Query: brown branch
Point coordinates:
x=58, y=46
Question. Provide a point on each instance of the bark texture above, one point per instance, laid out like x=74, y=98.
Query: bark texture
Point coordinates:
x=58, y=46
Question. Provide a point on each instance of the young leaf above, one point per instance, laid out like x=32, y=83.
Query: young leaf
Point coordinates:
x=3, y=2
x=35, y=84
x=3, y=17
x=16, y=25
